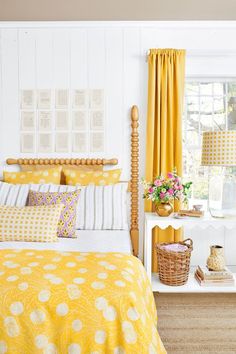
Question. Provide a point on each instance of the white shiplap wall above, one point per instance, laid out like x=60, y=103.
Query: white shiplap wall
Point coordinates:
x=109, y=55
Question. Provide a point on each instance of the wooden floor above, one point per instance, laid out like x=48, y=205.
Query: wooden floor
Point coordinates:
x=197, y=323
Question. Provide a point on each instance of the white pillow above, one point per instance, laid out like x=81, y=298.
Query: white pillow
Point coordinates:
x=103, y=207
x=98, y=208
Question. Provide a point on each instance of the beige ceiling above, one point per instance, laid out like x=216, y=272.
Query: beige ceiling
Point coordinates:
x=13, y=10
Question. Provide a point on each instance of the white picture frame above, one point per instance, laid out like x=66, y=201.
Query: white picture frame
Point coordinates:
x=80, y=142
x=45, y=142
x=79, y=120
x=79, y=99
x=61, y=99
x=27, y=120
x=44, y=120
x=97, y=142
x=44, y=99
x=97, y=120
x=27, y=99
x=62, y=142
x=96, y=99
x=62, y=120
x=27, y=142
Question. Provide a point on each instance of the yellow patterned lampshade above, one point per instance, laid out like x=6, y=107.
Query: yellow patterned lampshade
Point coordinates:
x=219, y=148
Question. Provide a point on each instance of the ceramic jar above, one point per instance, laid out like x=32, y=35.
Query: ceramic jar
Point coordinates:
x=216, y=260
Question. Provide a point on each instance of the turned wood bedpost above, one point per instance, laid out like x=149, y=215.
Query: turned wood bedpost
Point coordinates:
x=134, y=230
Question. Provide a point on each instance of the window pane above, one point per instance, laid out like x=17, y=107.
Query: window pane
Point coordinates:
x=219, y=116
x=192, y=138
x=206, y=88
x=192, y=104
x=219, y=122
x=219, y=89
x=206, y=122
x=206, y=113
x=231, y=89
x=192, y=88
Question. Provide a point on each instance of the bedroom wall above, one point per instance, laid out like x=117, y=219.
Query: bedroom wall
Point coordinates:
x=109, y=55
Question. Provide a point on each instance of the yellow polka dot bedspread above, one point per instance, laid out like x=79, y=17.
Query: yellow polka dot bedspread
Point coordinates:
x=70, y=302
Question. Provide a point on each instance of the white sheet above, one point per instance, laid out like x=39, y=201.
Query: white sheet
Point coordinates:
x=86, y=241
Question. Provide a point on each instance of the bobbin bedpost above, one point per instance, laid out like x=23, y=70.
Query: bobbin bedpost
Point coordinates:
x=134, y=231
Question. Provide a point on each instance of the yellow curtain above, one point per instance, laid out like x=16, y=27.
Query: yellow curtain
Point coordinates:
x=166, y=72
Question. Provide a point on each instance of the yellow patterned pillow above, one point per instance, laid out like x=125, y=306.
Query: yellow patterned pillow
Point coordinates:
x=98, y=178
x=51, y=175
x=38, y=224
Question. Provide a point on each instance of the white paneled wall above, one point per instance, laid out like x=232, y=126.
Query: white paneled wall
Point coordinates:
x=109, y=55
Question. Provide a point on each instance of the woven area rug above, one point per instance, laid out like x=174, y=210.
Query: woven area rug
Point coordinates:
x=197, y=323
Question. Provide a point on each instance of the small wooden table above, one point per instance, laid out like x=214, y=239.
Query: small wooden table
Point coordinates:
x=152, y=220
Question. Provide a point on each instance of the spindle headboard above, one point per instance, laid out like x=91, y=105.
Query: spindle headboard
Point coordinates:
x=91, y=162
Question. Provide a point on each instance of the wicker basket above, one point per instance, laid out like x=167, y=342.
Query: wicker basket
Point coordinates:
x=174, y=266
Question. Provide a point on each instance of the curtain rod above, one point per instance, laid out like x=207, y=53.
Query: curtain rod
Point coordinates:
x=206, y=53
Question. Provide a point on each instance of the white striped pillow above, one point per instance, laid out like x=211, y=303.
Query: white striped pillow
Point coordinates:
x=103, y=207
x=99, y=207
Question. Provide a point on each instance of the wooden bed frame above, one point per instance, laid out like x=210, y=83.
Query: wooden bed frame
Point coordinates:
x=134, y=183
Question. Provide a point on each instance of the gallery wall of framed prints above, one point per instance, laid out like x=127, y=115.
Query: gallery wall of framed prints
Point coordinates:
x=62, y=121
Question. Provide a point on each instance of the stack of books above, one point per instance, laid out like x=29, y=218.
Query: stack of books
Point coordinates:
x=206, y=277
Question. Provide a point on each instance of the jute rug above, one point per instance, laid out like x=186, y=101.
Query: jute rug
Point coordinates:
x=197, y=323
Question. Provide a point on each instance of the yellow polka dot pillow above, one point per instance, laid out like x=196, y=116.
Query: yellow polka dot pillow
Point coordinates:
x=37, y=224
x=52, y=175
x=97, y=178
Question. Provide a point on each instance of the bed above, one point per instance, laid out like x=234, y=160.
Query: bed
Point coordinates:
x=89, y=294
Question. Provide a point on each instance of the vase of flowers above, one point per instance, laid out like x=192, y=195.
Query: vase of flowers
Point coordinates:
x=163, y=191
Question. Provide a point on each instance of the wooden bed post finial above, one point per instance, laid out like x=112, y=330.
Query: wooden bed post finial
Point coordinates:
x=134, y=179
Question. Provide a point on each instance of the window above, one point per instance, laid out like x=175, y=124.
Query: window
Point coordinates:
x=209, y=105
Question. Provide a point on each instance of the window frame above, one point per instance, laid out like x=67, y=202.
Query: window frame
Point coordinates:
x=187, y=147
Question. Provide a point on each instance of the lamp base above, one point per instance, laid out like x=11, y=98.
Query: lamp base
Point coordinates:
x=222, y=196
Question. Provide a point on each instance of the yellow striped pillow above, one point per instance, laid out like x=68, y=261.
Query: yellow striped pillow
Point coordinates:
x=51, y=175
x=30, y=223
x=97, y=178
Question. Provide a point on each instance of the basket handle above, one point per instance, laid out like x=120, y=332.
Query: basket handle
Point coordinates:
x=188, y=240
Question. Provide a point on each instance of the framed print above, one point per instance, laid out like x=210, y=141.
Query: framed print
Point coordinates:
x=79, y=120
x=45, y=142
x=62, y=120
x=96, y=99
x=62, y=99
x=45, y=120
x=97, y=142
x=27, y=99
x=62, y=142
x=79, y=142
x=44, y=99
x=79, y=99
x=97, y=120
x=27, y=120
x=27, y=142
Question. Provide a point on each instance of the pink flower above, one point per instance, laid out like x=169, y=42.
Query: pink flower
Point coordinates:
x=171, y=191
x=176, y=186
x=150, y=190
x=158, y=183
x=162, y=195
x=170, y=175
x=180, y=187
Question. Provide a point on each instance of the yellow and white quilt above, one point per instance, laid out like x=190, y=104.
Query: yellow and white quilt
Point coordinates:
x=70, y=302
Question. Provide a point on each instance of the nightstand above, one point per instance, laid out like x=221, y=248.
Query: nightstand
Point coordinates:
x=192, y=286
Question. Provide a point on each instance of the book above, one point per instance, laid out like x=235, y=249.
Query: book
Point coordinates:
x=206, y=274
x=216, y=283
x=193, y=213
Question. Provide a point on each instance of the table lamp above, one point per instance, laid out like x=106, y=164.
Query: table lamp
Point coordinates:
x=219, y=149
